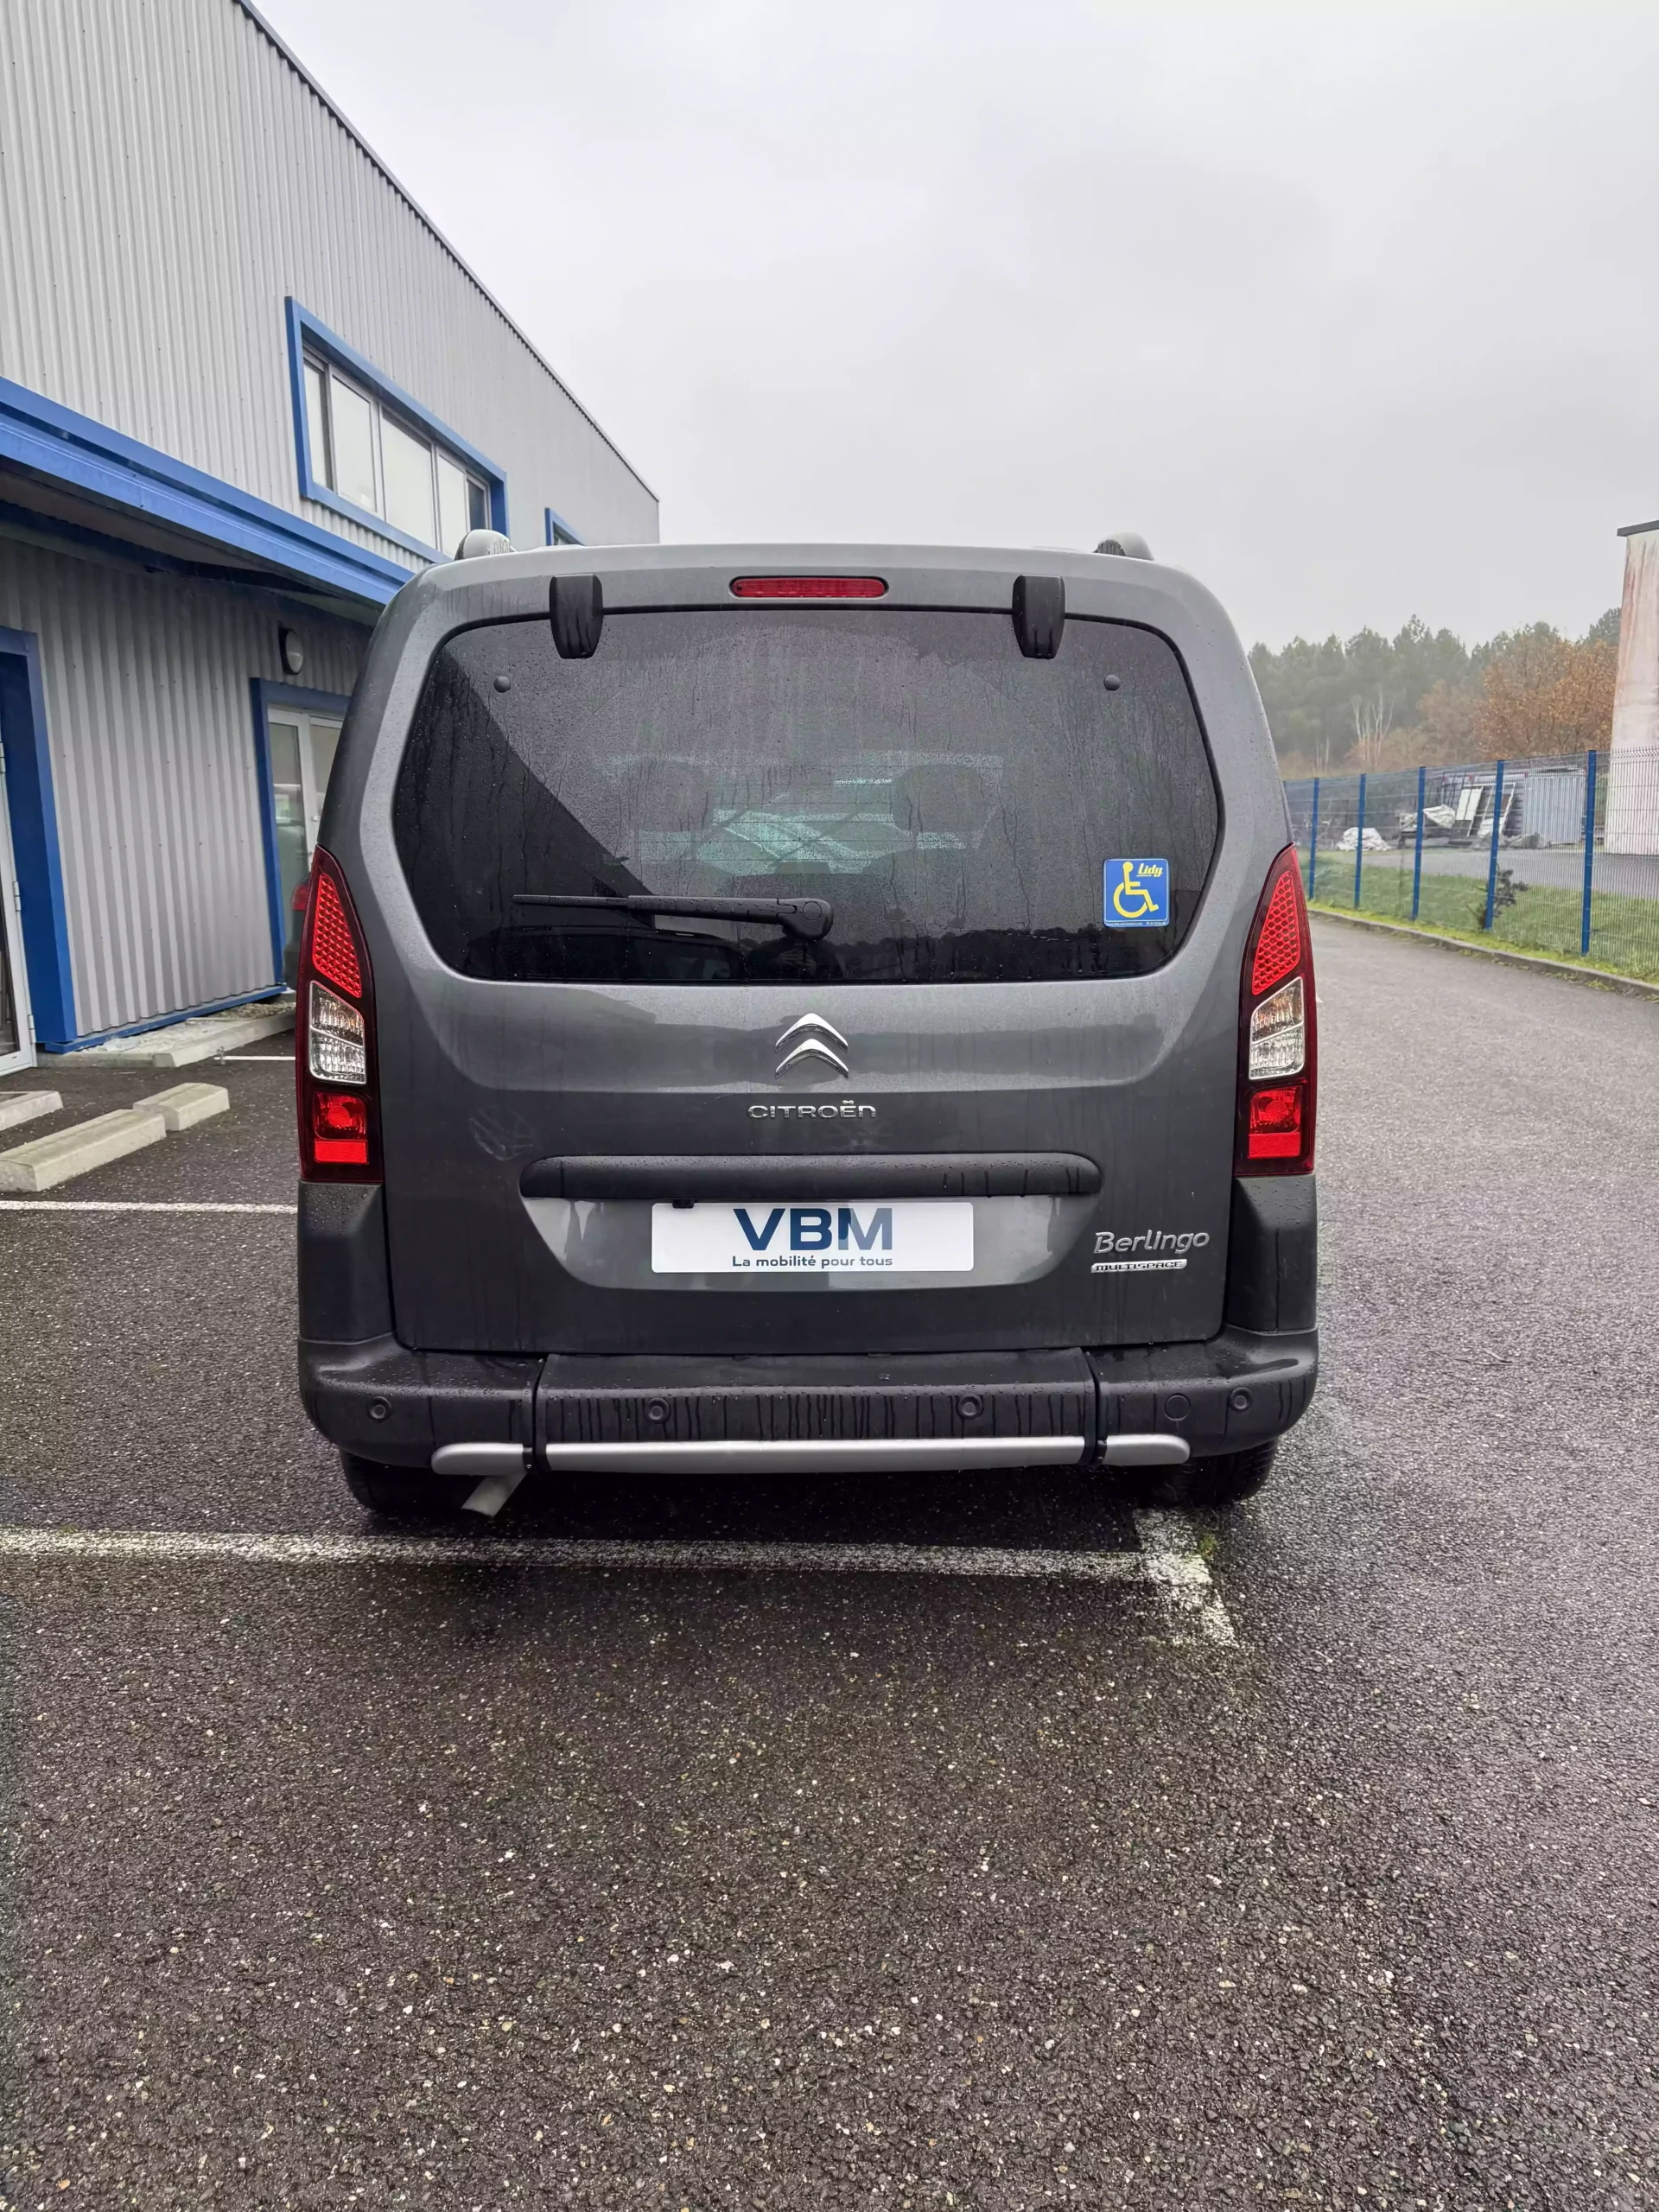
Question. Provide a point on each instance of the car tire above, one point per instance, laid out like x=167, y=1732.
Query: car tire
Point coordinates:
x=1230, y=1478
x=402, y=1494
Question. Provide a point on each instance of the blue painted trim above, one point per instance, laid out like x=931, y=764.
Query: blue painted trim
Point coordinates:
x=34, y=846
x=1417, y=863
x=1589, y=847
x=278, y=593
x=572, y=536
x=1492, y=865
x=39, y=436
x=308, y=485
x=303, y=328
x=267, y=695
x=265, y=992
x=300, y=697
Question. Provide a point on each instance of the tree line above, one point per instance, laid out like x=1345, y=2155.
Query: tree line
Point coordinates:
x=1424, y=698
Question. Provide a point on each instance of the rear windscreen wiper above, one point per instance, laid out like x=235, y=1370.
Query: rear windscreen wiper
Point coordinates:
x=810, y=918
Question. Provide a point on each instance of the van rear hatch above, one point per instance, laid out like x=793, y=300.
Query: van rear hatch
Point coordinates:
x=788, y=974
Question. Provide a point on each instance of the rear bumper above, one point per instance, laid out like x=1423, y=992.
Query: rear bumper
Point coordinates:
x=466, y=1413
x=958, y=1410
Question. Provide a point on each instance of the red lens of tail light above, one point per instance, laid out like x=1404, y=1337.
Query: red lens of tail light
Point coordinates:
x=333, y=953
x=340, y=1127
x=1276, y=1122
x=1276, y=1103
x=335, y=1069
x=1279, y=948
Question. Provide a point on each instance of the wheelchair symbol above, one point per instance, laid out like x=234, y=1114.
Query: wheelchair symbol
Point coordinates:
x=1131, y=899
x=1137, y=893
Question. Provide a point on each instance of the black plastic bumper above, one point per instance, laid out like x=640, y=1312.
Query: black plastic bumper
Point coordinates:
x=1238, y=1390
x=402, y=1407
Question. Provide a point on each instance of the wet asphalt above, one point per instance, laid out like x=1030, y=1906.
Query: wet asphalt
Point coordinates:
x=480, y=1885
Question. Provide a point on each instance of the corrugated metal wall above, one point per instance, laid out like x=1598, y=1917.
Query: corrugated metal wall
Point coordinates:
x=150, y=721
x=167, y=179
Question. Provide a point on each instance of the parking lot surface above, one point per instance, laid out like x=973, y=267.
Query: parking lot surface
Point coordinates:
x=477, y=1877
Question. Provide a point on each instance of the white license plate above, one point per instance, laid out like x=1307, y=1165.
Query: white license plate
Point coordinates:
x=869, y=1236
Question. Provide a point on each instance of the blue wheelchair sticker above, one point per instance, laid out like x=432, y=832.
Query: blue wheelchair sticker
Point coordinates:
x=1137, y=894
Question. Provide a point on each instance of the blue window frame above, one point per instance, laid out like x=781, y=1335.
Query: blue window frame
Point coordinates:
x=369, y=451
x=560, y=532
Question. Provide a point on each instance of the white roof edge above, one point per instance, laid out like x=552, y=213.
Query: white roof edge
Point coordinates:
x=421, y=215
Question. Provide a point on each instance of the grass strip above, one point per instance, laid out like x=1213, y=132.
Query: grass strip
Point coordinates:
x=1545, y=919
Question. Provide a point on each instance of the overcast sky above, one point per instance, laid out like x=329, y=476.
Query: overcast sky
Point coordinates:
x=1353, y=310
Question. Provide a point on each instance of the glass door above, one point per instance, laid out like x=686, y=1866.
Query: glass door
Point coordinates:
x=301, y=757
x=17, y=1032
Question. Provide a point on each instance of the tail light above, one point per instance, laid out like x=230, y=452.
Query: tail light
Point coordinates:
x=1278, y=1045
x=335, y=1067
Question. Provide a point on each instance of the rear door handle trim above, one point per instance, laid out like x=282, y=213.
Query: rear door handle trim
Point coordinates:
x=816, y=1175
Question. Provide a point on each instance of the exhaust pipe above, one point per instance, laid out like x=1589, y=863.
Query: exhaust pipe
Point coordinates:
x=502, y=1467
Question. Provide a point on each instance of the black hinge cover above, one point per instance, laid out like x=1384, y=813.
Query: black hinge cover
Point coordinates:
x=1039, y=615
x=576, y=606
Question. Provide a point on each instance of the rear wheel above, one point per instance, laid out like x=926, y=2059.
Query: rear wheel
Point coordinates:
x=1215, y=1483
x=402, y=1493
x=1230, y=1476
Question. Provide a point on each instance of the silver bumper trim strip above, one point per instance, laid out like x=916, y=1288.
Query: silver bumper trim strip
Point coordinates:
x=828, y=1455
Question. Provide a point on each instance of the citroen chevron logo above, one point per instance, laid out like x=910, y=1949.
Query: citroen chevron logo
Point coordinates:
x=818, y=1040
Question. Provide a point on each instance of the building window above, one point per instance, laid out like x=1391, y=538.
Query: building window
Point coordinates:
x=365, y=454
x=372, y=453
x=559, y=532
x=461, y=504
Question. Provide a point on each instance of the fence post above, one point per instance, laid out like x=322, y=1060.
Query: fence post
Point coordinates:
x=1589, y=845
x=1492, y=865
x=1312, y=839
x=1417, y=864
x=1359, y=842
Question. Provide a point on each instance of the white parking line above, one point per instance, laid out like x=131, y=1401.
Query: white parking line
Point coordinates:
x=137, y=1205
x=1180, y=1578
x=1169, y=1544
x=240, y=1059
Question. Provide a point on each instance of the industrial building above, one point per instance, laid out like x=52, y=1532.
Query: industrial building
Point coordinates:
x=1633, y=755
x=247, y=391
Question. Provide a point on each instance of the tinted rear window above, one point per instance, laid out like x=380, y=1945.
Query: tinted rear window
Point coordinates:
x=962, y=808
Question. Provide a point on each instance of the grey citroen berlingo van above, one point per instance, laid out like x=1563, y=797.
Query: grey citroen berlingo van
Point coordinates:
x=787, y=1008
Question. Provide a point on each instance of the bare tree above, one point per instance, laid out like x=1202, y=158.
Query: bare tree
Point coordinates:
x=1373, y=720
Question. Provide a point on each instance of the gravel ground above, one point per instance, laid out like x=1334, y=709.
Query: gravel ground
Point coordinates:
x=475, y=1885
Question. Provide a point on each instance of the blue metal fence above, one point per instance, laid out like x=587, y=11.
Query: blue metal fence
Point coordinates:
x=1559, y=856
